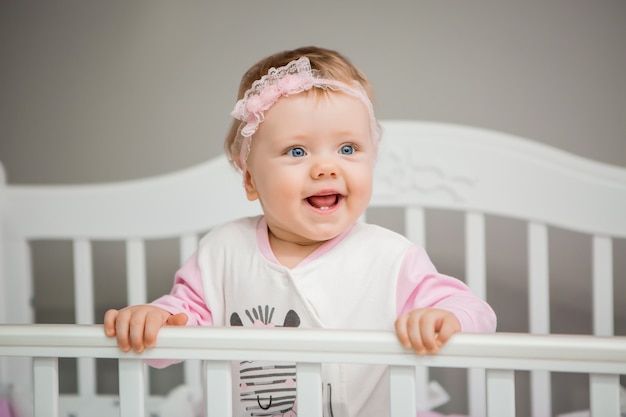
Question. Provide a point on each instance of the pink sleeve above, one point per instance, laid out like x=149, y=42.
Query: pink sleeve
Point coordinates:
x=421, y=286
x=186, y=296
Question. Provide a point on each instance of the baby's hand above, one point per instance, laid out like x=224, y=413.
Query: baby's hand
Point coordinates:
x=137, y=327
x=426, y=329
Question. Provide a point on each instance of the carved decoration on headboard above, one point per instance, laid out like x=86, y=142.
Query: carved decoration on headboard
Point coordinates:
x=400, y=173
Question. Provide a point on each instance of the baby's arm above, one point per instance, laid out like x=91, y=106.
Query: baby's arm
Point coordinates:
x=136, y=327
x=431, y=307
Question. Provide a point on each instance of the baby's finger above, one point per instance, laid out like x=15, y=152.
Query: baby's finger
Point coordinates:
x=121, y=330
x=179, y=319
x=109, y=322
x=402, y=332
x=153, y=324
x=448, y=328
x=428, y=334
x=415, y=333
x=137, y=326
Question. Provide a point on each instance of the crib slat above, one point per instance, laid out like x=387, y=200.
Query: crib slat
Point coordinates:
x=422, y=376
x=218, y=389
x=402, y=391
x=415, y=231
x=538, y=279
x=539, y=312
x=309, y=389
x=476, y=391
x=475, y=253
x=415, y=225
x=84, y=302
x=540, y=393
x=83, y=282
x=136, y=281
x=46, y=387
x=602, y=286
x=604, y=395
x=501, y=393
x=136, y=271
x=132, y=387
x=187, y=246
x=476, y=271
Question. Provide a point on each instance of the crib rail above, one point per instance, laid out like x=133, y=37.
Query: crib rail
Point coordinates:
x=603, y=358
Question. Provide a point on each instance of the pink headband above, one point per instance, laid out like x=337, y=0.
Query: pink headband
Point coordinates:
x=295, y=77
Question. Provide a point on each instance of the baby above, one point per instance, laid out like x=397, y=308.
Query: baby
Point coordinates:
x=305, y=139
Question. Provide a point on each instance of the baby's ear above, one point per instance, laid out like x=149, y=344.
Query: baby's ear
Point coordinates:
x=250, y=186
x=235, y=320
x=291, y=319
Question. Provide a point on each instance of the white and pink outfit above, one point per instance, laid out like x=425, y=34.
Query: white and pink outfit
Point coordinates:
x=362, y=279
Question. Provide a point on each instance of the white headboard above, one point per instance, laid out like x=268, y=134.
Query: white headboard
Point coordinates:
x=421, y=166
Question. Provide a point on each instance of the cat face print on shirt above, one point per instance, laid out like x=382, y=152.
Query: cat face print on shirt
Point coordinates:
x=267, y=388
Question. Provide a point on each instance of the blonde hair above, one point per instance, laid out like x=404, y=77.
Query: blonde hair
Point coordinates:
x=330, y=64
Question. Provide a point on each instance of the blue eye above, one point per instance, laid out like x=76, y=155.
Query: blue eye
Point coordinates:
x=347, y=150
x=296, y=152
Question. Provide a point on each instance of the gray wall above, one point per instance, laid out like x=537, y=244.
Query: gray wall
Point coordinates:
x=106, y=91
x=100, y=91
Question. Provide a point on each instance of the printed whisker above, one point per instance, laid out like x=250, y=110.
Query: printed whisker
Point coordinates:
x=278, y=374
x=283, y=398
x=249, y=316
x=269, y=366
x=270, y=382
x=269, y=391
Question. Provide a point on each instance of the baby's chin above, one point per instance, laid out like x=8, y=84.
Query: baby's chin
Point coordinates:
x=313, y=240
x=312, y=233
x=323, y=234
x=310, y=239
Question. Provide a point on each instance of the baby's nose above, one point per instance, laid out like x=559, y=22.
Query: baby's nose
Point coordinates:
x=324, y=168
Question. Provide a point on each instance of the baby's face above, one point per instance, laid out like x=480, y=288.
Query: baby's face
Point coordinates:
x=310, y=165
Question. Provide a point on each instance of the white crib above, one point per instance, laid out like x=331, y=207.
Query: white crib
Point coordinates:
x=422, y=167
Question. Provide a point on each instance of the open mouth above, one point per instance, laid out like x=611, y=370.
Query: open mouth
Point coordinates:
x=324, y=202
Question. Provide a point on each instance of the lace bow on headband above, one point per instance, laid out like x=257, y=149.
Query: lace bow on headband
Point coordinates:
x=295, y=77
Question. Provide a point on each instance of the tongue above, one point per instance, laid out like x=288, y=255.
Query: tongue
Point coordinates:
x=322, y=200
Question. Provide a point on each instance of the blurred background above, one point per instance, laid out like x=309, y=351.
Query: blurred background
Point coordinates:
x=116, y=90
